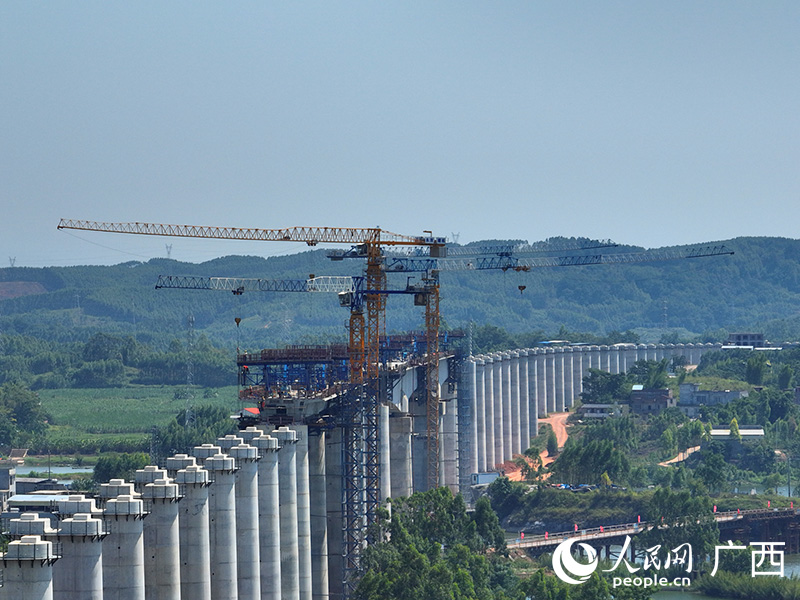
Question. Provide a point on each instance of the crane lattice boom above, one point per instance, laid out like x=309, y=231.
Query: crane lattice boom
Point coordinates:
x=310, y=235
x=238, y=285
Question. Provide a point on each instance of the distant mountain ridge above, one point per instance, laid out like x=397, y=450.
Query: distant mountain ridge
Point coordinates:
x=758, y=288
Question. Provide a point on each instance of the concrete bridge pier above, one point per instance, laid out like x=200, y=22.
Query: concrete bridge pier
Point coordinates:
x=385, y=454
x=569, y=388
x=334, y=450
x=28, y=569
x=269, y=531
x=524, y=402
x=123, y=550
x=497, y=409
x=195, y=565
x=516, y=411
x=479, y=417
x=319, y=518
x=161, y=541
x=222, y=527
x=247, y=555
x=287, y=489
x=400, y=457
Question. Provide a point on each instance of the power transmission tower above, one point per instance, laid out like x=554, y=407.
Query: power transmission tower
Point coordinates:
x=189, y=412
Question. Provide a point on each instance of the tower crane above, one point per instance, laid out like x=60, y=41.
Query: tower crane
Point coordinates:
x=362, y=465
x=365, y=338
x=487, y=259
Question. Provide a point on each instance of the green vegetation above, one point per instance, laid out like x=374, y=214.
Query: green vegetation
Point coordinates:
x=726, y=584
x=49, y=315
x=23, y=420
x=432, y=548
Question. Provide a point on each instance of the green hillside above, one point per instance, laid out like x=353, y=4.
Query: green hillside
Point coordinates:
x=758, y=288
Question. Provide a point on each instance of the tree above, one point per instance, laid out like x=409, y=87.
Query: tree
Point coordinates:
x=713, y=471
x=785, y=377
x=119, y=466
x=601, y=387
x=680, y=517
x=650, y=373
x=734, y=429
x=756, y=368
x=552, y=443
x=772, y=481
x=21, y=415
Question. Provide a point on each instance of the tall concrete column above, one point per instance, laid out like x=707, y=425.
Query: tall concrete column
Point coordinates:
x=400, y=456
x=334, y=496
x=505, y=403
x=693, y=354
x=680, y=349
x=319, y=517
x=472, y=393
x=247, y=555
x=28, y=569
x=222, y=526
x=384, y=443
x=448, y=454
x=516, y=421
x=614, y=352
x=269, y=527
x=631, y=356
x=479, y=417
x=489, y=426
x=550, y=384
x=669, y=352
x=569, y=390
x=524, y=401
x=419, y=443
x=605, y=359
x=577, y=371
x=559, y=379
x=541, y=382
x=193, y=533
x=303, y=511
x=123, y=550
x=594, y=357
x=497, y=408
x=162, y=569
x=641, y=352
x=79, y=573
x=287, y=488
x=533, y=393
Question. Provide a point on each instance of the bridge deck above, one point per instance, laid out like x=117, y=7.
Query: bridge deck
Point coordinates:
x=606, y=533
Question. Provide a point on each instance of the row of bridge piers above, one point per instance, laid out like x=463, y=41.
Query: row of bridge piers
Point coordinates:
x=258, y=516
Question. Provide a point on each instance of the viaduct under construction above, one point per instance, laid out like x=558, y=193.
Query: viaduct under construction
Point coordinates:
x=283, y=509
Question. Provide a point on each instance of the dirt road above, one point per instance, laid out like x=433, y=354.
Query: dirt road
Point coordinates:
x=558, y=421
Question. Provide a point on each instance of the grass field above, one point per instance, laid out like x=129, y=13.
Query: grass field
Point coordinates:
x=90, y=421
x=125, y=410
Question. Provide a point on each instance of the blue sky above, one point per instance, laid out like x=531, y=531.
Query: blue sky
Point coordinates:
x=649, y=123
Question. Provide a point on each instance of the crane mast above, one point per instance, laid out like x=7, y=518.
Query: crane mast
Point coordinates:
x=361, y=468
x=361, y=450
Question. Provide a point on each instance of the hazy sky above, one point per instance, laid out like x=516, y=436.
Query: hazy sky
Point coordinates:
x=650, y=123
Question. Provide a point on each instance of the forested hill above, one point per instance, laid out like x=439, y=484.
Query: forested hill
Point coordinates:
x=758, y=288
